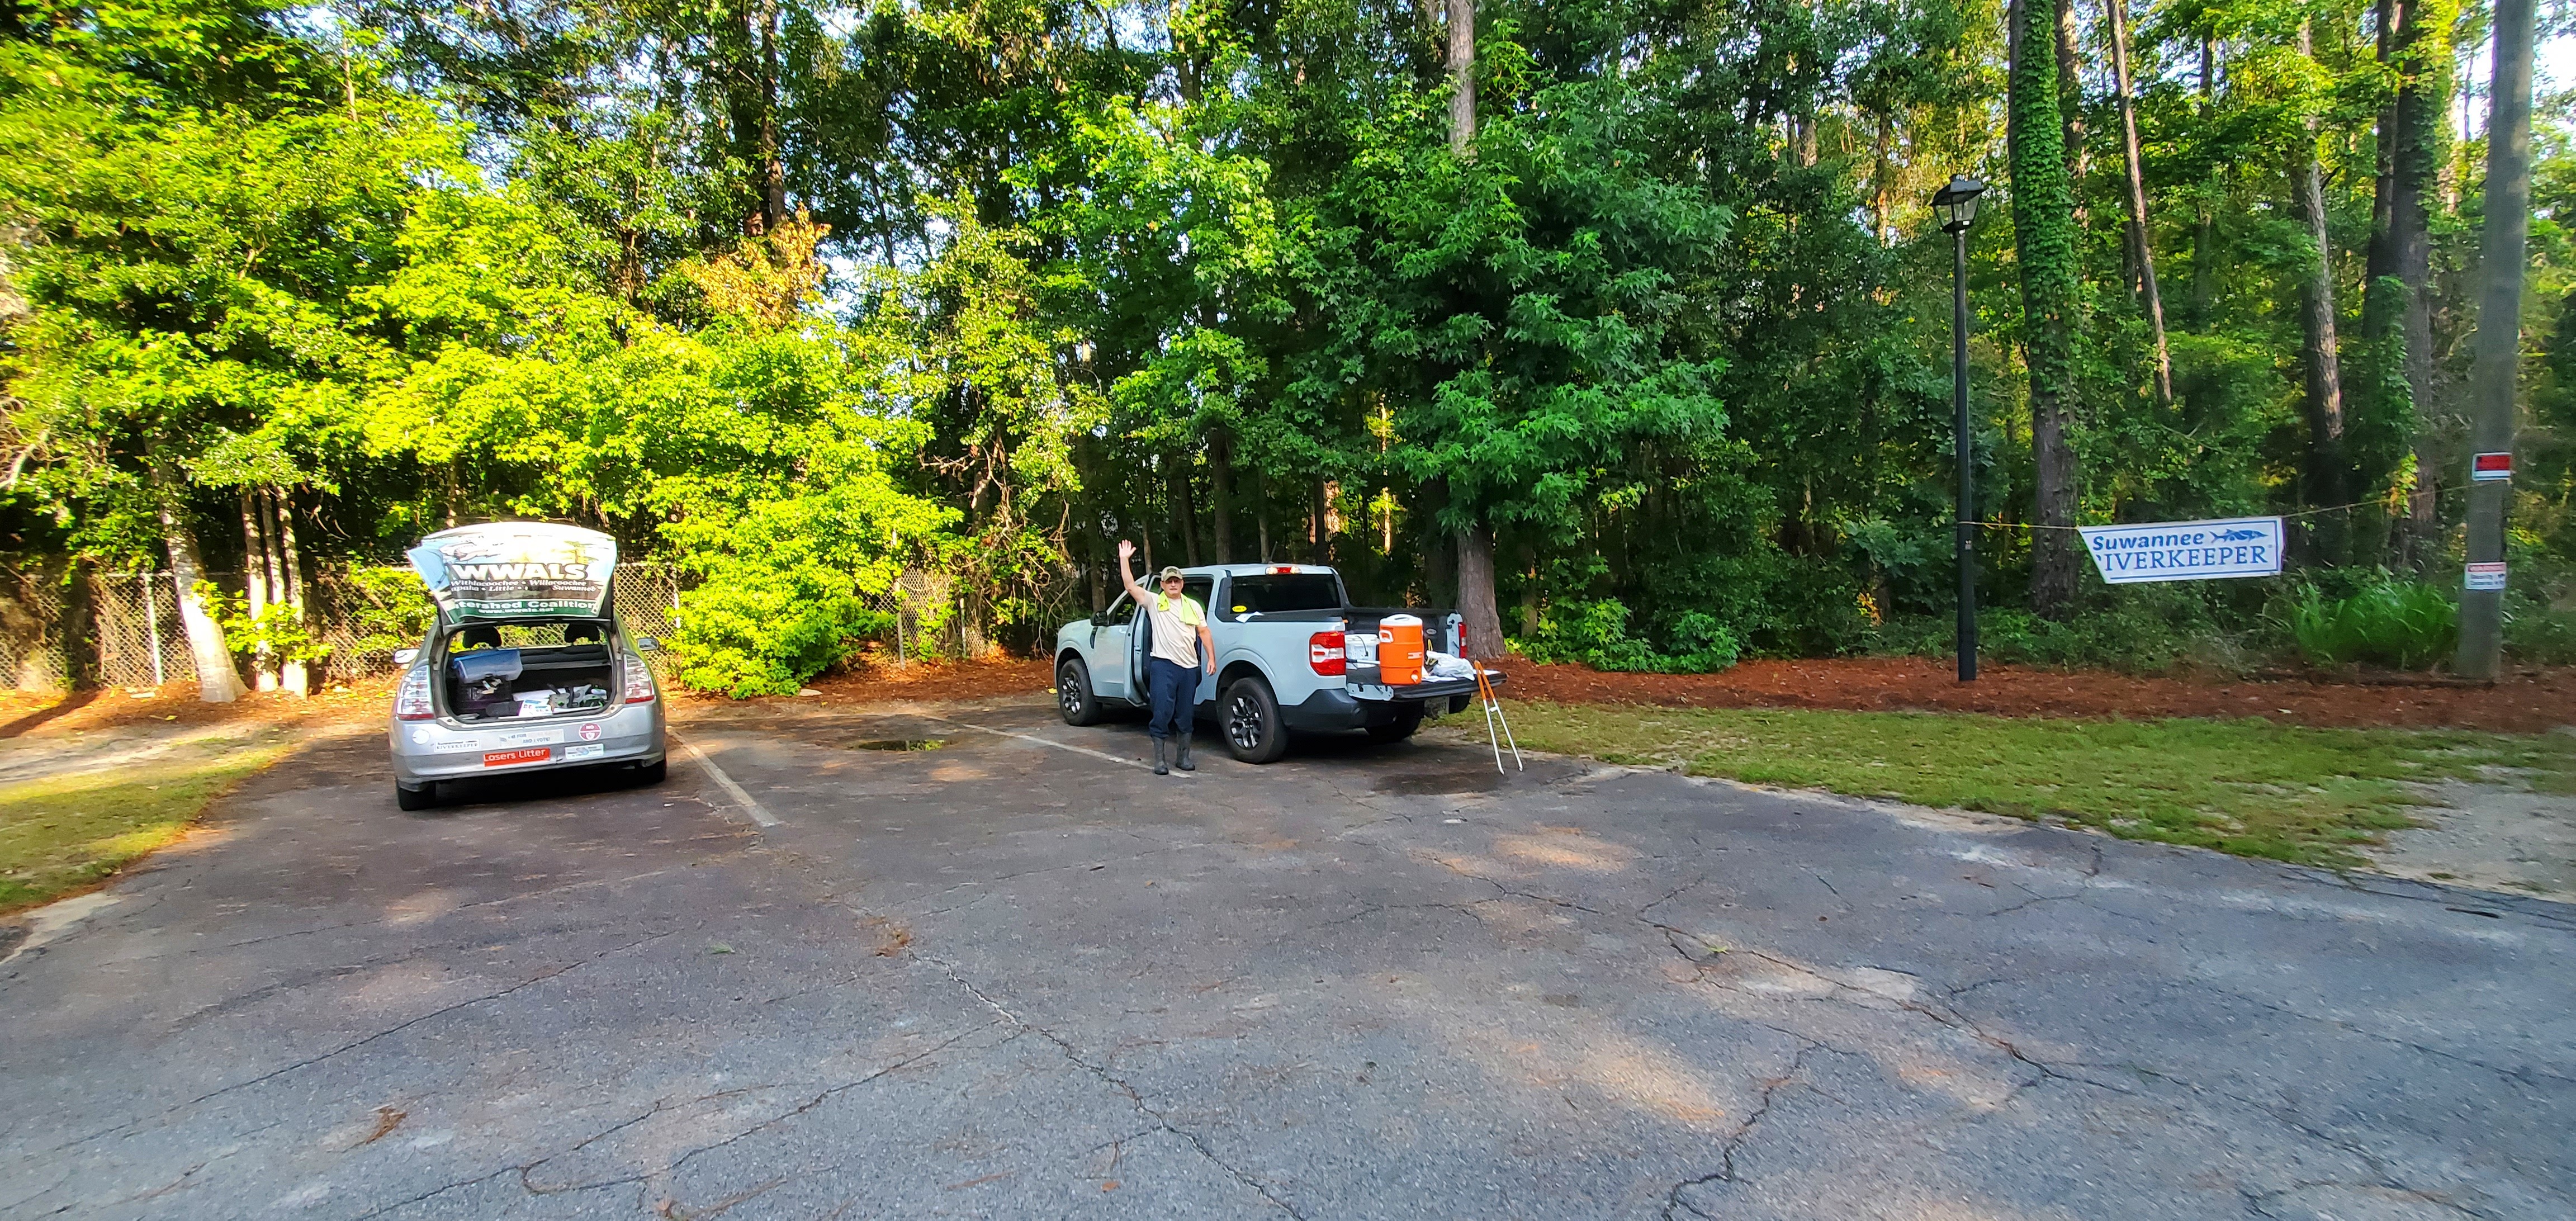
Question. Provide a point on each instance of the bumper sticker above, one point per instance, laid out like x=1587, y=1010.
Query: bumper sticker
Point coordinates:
x=504, y=758
x=591, y=751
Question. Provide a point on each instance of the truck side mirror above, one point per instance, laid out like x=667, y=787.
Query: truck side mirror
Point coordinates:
x=404, y=657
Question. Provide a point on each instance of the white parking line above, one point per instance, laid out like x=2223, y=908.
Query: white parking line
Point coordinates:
x=1103, y=755
x=759, y=815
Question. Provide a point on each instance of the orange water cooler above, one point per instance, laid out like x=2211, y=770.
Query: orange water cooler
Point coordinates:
x=1399, y=650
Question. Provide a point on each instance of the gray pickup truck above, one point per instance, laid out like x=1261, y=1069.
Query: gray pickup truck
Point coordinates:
x=1292, y=653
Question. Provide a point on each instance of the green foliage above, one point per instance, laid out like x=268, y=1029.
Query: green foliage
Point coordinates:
x=279, y=632
x=386, y=606
x=2541, y=637
x=1595, y=633
x=2404, y=625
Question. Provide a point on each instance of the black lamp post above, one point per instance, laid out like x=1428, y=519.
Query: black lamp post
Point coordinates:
x=1956, y=205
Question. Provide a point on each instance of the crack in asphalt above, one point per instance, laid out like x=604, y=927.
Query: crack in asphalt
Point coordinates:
x=2257, y=1203
x=1496, y=883
x=1116, y=1082
x=2378, y=1165
x=526, y=1170
x=1725, y=1172
x=354, y=1044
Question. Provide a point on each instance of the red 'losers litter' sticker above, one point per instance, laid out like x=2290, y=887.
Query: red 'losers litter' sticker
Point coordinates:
x=502, y=758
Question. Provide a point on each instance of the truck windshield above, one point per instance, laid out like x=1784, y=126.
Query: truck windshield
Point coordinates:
x=1292, y=591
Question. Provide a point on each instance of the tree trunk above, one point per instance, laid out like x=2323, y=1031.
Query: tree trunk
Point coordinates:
x=773, y=169
x=1261, y=513
x=1184, y=515
x=2204, y=240
x=2499, y=340
x=2043, y=208
x=1221, y=491
x=1319, y=532
x=258, y=583
x=1462, y=77
x=2141, y=249
x=2070, y=107
x=2318, y=349
x=2421, y=47
x=254, y=573
x=1477, y=602
x=1477, y=598
x=217, y=683
x=1880, y=221
x=2377, y=410
x=296, y=675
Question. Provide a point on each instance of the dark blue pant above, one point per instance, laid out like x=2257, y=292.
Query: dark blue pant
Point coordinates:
x=1174, y=691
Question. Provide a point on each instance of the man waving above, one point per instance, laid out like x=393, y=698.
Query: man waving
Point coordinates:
x=1183, y=649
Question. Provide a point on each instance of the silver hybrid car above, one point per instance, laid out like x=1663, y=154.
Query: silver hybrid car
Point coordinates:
x=524, y=668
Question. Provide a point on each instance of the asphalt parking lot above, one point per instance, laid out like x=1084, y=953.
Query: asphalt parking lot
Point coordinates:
x=967, y=961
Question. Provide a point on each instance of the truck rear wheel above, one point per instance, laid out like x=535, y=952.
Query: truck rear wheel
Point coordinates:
x=1249, y=715
x=1073, y=695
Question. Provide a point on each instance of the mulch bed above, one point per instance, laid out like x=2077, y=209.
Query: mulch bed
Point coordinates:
x=2526, y=701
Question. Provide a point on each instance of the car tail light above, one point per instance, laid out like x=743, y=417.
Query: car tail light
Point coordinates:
x=639, y=681
x=411, y=700
x=1324, y=652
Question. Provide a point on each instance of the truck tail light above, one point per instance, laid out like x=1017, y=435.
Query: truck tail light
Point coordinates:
x=1324, y=652
x=639, y=681
x=411, y=700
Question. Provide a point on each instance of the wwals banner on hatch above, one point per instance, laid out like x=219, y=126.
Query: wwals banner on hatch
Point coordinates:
x=2186, y=550
x=517, y=570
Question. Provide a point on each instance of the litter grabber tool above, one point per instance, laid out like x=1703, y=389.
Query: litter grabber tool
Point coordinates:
x=1494, y=718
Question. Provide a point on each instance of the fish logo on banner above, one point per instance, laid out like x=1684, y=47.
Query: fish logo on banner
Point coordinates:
x=2186, y=550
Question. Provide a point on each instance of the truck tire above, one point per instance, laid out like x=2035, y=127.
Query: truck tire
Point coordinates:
x=1073, y=695
x=1408, y=718
x=1249, y=717
x=409, y=798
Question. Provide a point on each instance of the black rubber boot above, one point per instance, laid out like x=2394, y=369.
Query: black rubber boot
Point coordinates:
x=1183, y=762
x=1161, y=748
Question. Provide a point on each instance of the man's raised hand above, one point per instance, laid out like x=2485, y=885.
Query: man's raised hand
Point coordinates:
x=1126, y=550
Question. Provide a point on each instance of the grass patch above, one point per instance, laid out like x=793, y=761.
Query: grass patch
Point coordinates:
x=2249, y=787
x=62, y=833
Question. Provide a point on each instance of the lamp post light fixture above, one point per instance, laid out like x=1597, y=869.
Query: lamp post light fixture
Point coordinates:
x=1956, y=204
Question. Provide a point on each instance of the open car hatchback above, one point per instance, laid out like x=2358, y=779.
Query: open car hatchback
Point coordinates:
x=525, y=667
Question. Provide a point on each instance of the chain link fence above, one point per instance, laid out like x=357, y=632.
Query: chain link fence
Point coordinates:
x=123, y=629
x=34, y=630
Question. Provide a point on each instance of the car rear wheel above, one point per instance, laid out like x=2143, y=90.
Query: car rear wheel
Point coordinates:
x=653, y=773
x=1073, y=694
x=1253, y=732
x=409, y=798
x=1408, y=718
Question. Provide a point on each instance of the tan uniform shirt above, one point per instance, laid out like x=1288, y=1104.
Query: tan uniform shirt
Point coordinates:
x=1176, y=628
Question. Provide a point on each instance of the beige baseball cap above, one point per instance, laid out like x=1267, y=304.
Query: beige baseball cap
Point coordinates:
x=1168, y=573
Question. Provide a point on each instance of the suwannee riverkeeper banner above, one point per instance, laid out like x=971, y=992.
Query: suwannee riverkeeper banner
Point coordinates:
x=2186, y=550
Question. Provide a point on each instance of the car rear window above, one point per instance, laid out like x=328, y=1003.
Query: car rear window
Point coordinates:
x=1294, y=591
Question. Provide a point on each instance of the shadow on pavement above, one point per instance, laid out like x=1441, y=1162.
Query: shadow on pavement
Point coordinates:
x=510, y=789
